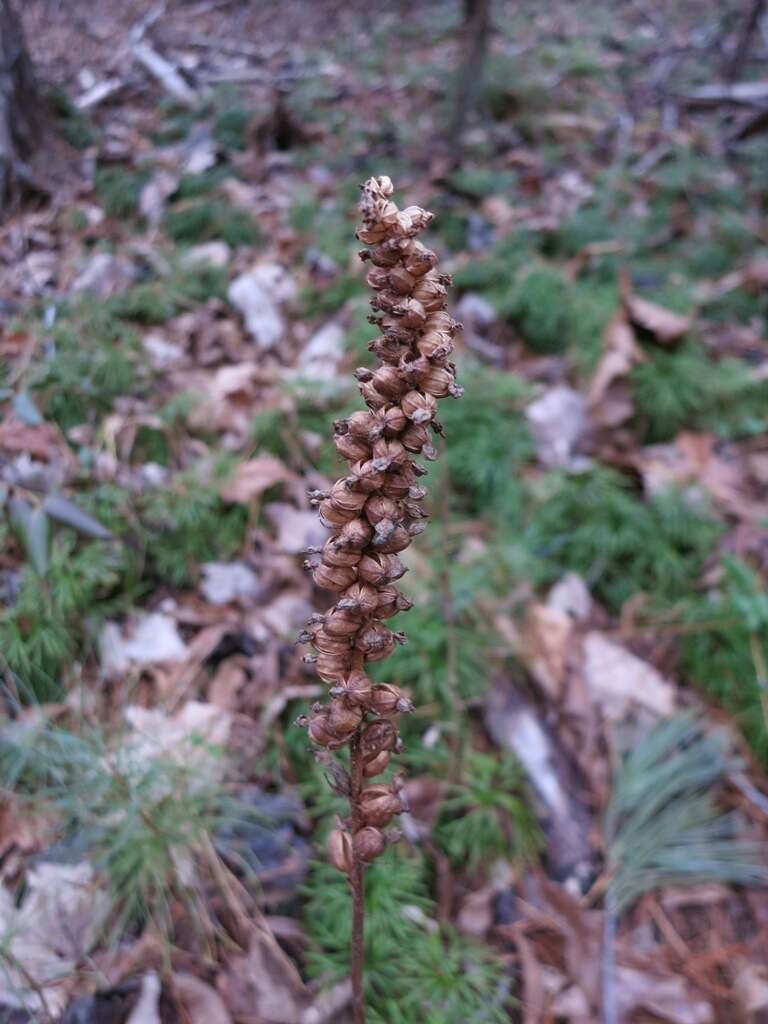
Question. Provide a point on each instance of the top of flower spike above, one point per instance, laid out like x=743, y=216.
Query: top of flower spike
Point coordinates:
x=384, y=219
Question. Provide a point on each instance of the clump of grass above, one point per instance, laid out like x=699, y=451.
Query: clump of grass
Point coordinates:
x=71, y=123
x=622, y=545
x=488, y=813
x=119, y=188
x=208, y=220
x=538, y=306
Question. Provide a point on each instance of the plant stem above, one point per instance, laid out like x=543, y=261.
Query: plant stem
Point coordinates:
x=357, y=881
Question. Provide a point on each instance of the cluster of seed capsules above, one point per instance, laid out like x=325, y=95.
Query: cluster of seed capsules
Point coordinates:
x=374, y=511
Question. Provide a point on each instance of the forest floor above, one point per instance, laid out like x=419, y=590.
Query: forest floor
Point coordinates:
x=588, y=805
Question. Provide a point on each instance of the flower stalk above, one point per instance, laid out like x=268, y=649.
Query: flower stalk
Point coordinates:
x=374, y=512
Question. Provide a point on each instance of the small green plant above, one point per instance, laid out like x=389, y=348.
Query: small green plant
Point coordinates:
x=488, y=813
x=210, y=219
x=120, y=189
x=538, y=306
x=620, y=543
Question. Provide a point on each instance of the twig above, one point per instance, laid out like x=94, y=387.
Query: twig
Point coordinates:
x=165, y=73
x=357, y=881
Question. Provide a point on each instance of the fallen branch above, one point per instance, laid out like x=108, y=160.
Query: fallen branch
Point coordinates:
x=165, y=73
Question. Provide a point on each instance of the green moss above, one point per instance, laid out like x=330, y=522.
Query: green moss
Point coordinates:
x=119, y=189
x=621, y=544
x=72, y=124
x=538, y=306
x=209, y=220
x=192, y=186
x=230, y=128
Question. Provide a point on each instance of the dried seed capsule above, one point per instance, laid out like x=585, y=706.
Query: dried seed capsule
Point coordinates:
x=399, y=280
x=391, y=540
x=430, y=293
x=414, y=438
x=439, y=381
x=368, y=844
x=372, y=398
x=394, y=420
x=377, y=278
x=332, y=667
x=377, y=765
x=391, y=601
x=352, y=448
x=340, y=850
x=344, y=718
x=325, y=643
x=386, y=301
x=334, y=577
x=390, y=452
x=363, y=424
x=335, y=554
x=418, y=407
x=435, y=345
x=385, y=254
x=321, y=731
x=354, y=535
x=372, y=234
x=379, y=805
x=389, y=381
x=411, y=312
x=388, y=700
x=396, y=485
x=379, y=507
x=442, y=321
x=345, y=499
x=359, y=599
x=332, y=516
x=341, y=622
x=356, y=689
x=378, y=737
x=375, y=640
x=389, y=349
x=366, y=476
x=419, y=260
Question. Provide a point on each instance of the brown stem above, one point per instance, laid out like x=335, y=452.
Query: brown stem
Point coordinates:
x=357, y=881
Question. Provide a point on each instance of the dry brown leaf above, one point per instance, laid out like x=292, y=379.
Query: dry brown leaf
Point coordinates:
x=620, y=353
x=618, y=680
x=252, y=478
x=41, y=442
x=202, y=1003
x=546, y=643
x=263, y=986
x=665, y=325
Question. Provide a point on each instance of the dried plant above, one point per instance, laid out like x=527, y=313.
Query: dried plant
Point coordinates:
x=374, y=513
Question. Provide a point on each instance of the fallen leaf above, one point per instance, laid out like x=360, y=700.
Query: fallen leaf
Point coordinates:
x=750, y=987
x=222, y=582
x=620, y=353
x=618, y=680
x=263, y=985
x=147, y=1007
x=258, y=295
x=665, y=325
x=546, y=645
x=321, y=355
x=571, y=595
x=669, y=997
x=202, y=1004
x=297, y=529
x=146, y=640
x=252, y=478
x=39, y=442
x=558, y=420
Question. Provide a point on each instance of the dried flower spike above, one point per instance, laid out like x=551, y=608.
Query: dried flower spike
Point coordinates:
x=373, y=514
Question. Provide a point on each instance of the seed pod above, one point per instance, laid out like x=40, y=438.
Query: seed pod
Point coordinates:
x=332, y=516
x=372, y=397
x=345, y=499
x=368, y=844
x=430, y=293
x=419, y=260
x=359, y=599
x=364, y=425
x=341, y=622
x=414, y=438
x=399, y=280
x=435, y=345
x=366, y=476
x=396, y=485
x=385, y=254
x=391, y=601
x=332, y=667
x=334, y=577
x=321, y=730
x=439, y=381
x=344, y=718
x=377, y=507
x=377, y=278
x=390, y=541
x=389, y=349
x=389, y=382
x=388, y=700
x=386, y=300
x=377, y=765
x=418, y=407
x=373, y=234
x=334, y=554
x=391, y=452
x=379, y=804
x=442, y=321
x=325, y=643
x=340, y=850
x=411, y=312
x=353, y=535
x=394, y=420
x=356, y=689
x=377, y=737
x=352, y=448
x=375, y=640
